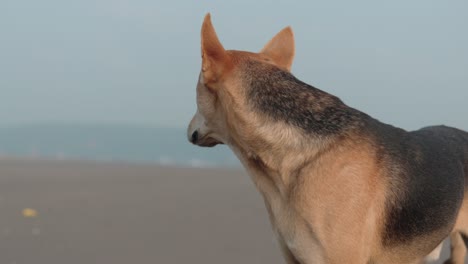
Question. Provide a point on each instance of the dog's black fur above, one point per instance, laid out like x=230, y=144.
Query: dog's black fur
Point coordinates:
x=428, y=168
x=281, y=96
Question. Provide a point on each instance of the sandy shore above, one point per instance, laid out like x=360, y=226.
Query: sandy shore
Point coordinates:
x=117, y=213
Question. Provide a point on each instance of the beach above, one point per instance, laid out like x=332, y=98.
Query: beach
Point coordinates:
x=75, y=212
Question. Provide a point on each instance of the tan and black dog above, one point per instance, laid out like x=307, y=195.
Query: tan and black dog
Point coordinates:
x=339, y=186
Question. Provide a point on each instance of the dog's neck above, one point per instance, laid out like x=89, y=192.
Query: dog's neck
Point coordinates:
x=279, y=96
x=289, y=124
x=274, y=161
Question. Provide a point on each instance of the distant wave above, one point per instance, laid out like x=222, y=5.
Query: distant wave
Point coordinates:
x=167, y=161
x=195, y=162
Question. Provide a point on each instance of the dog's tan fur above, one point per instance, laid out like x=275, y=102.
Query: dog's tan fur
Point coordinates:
x=325, y=196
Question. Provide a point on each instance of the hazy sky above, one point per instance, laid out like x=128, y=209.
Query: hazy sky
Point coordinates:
x=137, y=61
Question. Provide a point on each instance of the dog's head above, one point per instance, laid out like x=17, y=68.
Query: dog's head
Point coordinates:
x=220, y=93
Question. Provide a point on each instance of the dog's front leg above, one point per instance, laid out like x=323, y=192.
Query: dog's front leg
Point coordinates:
x=287, y=254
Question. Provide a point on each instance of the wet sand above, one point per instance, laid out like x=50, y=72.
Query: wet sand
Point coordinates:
x=120, y=213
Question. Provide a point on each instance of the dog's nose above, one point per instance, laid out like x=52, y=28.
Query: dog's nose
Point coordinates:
x=194, y=137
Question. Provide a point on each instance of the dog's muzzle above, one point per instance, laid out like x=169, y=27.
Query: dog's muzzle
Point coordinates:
x=200, y=140
x=194, y=137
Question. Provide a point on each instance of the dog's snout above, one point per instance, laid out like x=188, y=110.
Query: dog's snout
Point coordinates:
x=194, y=137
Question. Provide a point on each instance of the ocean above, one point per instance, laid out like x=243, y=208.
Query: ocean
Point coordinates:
x=119, y=143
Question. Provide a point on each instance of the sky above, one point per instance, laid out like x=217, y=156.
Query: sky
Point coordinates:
x=137, y=61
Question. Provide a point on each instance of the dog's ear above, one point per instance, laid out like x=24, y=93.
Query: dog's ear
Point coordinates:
x=281, y=48
x=213, y=54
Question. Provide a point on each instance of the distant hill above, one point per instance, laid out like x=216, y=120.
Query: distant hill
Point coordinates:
x=143, y=144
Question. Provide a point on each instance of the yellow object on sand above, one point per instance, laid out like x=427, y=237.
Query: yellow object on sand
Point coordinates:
x=29, y=213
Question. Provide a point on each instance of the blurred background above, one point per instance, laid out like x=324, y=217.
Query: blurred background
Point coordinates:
x=95, y=97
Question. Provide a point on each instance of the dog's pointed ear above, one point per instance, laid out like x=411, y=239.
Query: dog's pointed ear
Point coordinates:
x=281, y=48
x=213, y=53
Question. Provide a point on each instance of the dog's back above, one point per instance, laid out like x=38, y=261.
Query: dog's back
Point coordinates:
x=454, y=139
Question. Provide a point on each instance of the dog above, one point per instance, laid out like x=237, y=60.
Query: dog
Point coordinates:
x=339, y=185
